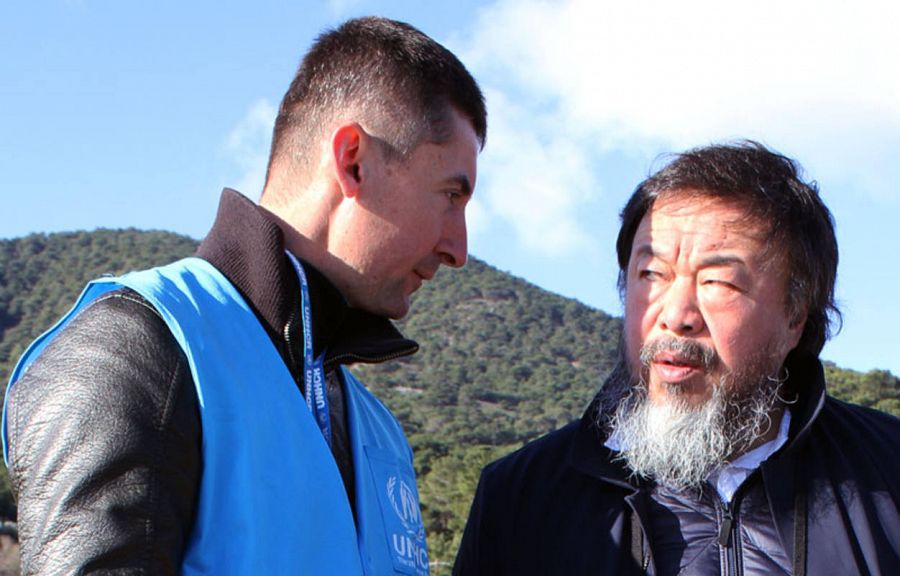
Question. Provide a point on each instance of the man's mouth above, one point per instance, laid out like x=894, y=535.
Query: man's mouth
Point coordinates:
x=425, y=275
x=421, y=276
x=678, y=354
x=674, y=367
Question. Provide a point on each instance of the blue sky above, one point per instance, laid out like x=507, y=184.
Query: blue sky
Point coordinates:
x=127, y=113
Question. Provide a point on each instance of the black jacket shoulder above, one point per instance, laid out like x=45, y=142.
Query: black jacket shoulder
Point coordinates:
x=532, y=507
x=864, y=420
x=133, y=498
x=860, y=442
x=547, y=453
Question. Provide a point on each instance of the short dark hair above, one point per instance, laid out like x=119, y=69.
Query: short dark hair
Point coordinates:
x=401, y=81
x=769, y=187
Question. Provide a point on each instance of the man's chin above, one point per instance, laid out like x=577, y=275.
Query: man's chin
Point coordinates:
x=694, y=392
x=394, y=308
x=399, y=309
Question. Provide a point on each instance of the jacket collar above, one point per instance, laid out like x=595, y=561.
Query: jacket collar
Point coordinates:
x=806, y=378
x=784, y=474
x=590, y=456
x=247, y=246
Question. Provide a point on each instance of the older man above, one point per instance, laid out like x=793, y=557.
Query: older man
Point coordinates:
x=713, y=447
x=197, y=418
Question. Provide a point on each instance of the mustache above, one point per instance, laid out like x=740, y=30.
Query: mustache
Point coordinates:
x=684, y=349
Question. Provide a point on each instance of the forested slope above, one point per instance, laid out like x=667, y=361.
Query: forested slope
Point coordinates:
x=502, y=361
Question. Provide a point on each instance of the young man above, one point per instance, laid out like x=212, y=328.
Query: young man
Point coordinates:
x=198, y=418
x=713, y=447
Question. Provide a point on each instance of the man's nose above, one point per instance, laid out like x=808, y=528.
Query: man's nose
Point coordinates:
x=681, y=313
x=453, y=245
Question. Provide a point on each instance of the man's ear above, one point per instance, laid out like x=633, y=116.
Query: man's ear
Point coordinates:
x=349, y=146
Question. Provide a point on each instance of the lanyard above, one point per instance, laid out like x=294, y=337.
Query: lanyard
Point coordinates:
x=313, y=368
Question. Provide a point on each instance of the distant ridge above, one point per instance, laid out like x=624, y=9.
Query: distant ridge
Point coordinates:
x=501, y=360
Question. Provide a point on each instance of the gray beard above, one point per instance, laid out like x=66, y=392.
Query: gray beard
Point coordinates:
x=679, y=445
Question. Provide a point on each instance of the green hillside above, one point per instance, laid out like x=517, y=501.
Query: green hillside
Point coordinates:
x=502, y=361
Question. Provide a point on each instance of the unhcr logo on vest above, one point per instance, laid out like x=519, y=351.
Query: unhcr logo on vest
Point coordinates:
x=409, y=548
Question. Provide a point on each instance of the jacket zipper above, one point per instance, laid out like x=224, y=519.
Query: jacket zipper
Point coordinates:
x=290, y=349
x=729, y=540
x=335, y=360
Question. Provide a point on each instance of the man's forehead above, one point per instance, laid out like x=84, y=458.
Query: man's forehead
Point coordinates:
x=715, y=211
x=708, y=223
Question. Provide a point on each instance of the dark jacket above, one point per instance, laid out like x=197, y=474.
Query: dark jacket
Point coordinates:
x=562, y=504
x=104, y=428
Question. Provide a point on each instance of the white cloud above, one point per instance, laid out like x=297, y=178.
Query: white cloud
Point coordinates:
x=814, y=79
x=538, y=177
x=247, y=146
x=694, y=69
x=477, y=219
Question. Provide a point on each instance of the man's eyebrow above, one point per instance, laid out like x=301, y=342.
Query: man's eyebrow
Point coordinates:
x=722, y=260
x=644, y=250
x=708, y=261
x=461, y=180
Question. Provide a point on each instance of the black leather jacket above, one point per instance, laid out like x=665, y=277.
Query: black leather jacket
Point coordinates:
x=104, y=428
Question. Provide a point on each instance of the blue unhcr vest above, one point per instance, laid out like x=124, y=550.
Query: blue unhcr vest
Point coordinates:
x=271, y=497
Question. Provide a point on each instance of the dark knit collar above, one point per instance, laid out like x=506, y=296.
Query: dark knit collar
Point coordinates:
x=247, y=246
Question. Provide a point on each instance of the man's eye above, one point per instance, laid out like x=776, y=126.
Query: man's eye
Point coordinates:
x=455, y=196
x=648, y=274
x=718, y=283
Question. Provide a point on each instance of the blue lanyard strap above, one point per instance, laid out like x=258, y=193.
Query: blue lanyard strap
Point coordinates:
x=313, y=368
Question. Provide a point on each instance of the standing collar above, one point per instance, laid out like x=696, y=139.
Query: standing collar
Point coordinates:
x=247, y=246
x=806, y=380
